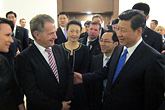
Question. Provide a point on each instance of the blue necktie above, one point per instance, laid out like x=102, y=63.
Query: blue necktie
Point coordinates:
x=120, y=64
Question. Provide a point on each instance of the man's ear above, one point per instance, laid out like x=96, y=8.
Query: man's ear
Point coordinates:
x=147, y=17
x=139, y=31
x=37, y=35
x=116, y=43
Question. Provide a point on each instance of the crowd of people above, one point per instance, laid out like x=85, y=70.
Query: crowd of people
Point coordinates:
x=121, y=67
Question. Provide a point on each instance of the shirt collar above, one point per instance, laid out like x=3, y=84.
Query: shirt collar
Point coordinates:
x=132, y=49
x=104, y=56
x=62, y=27
x=40, y=48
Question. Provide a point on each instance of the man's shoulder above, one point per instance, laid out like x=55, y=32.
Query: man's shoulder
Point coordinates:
x=21, y=28
x=98, y=56
x=57, y=47
x=59, y=29
x=151, y=32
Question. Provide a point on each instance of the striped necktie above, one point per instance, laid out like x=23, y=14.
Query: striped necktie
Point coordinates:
x=52, y=63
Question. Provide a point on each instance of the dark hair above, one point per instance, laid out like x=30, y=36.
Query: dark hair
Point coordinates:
x=142, y=7
x=75, y=22
x=21, y=19
x=155, y=21
x=6, y=21
x=11, y=12
x=95, y=23
x=137, y=18
x=63, y=13
x=87, y=22
x=114, y=37
x=115, y=21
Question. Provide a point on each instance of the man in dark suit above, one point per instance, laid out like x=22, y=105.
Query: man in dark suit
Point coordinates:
x=99, y=18
x=138, y=84
x=153, y=24
x=92, y=40
x=20, y=33
x=43, y=69
x=108, y=42
x=86, y=25
x=61, y=30
x=151, y=37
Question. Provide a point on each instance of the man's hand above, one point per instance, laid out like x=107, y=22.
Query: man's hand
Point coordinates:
x=65, y=105
x=21, y=107
x=18, y=52
x=77, y=78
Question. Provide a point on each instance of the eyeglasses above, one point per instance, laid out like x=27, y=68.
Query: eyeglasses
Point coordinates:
x=105, y=41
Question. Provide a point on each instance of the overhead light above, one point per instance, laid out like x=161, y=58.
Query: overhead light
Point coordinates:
x=89, y=12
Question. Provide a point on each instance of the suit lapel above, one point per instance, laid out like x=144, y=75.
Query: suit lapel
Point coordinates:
x=62, y=34
x=37, y=53
x=84, y=41
x=100, y=60
x=17, y=32
x=136, y=55
x=112, y=65
x=57, y=56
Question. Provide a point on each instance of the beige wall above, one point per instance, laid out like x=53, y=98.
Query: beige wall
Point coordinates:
x=88, y=5
x=77, y=9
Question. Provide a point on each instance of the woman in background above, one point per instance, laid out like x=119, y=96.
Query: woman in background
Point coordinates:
x=161, y=30
x=78, y=55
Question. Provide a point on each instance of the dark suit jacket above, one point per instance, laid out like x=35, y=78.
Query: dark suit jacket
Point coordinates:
x=95, y=50
x=61, y=37
x=10, y=96
x=83, y=34
x=139, y=85
x=162, y=107
x=38, y=81
x=96, y=88
x=153, y=39
x=22, y=35
x=102, y=32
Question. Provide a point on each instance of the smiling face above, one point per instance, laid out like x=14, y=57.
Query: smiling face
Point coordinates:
x=106, y=43
x=5, y=37
x=73, y=32
x=160, y=30
x=126, y=35
x=47, y=37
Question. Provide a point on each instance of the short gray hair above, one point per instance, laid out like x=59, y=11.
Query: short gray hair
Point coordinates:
x=37, y=23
